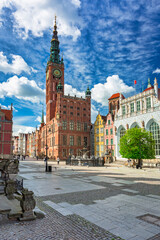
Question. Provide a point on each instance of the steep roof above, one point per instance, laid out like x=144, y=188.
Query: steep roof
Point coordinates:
x=148, y=89
x=103, y=118
x=8, y=114
x=116, y=95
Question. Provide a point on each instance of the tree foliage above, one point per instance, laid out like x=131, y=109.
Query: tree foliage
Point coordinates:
x=137, y=143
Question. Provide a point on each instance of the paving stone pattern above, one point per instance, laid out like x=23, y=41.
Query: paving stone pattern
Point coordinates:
x=89, y=203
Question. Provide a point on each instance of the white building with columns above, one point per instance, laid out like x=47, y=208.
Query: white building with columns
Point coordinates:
x=141, y=110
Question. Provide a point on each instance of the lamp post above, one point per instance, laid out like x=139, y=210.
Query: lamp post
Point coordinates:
x=47, y=150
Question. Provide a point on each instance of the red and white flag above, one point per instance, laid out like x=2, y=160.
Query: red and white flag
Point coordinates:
x=135, y=82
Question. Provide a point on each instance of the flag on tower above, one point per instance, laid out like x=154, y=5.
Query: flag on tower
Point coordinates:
x=135, y=82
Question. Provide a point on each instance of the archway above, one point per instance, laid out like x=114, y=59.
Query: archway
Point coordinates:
x=134, y=125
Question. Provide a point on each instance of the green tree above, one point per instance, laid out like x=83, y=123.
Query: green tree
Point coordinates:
x=137, y=143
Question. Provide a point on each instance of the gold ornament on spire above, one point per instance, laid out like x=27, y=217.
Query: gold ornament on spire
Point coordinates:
x=55, y=21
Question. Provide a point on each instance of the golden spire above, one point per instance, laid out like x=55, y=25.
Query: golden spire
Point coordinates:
x=55, y=21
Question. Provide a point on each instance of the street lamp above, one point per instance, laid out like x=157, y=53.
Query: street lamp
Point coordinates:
x=47, y=149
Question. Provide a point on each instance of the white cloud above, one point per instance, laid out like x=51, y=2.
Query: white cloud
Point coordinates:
x=17, y=65
x=8, y=107
x=22, y=129
x=37, y=16
x=76, y=2
x=38, y=119
x=101, y=92
x=68, y=89
x=22, y=88
x=157, y=70
x=94, y=113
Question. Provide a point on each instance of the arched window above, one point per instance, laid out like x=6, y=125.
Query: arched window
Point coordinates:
x=155, y=130
x=122, y=132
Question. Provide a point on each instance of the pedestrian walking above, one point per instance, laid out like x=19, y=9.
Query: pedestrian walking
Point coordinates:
x=58, y=160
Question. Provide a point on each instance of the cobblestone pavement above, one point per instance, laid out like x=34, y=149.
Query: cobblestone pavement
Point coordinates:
x=84, y=203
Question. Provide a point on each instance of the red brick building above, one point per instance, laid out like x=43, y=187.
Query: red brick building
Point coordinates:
x=5, y=133
x=68, y=119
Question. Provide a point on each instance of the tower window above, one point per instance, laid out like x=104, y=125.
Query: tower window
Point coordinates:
x=64, y=112
x=64, y=125
x=71, y=126
x=64, y=137
x=79, y=140
x=71, y=140
x=71, y=107
x=78, y=126
x=71, y=113
x=85, y=142
x=85, y=127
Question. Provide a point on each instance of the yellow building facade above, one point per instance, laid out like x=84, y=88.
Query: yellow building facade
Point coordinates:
x=99, y=135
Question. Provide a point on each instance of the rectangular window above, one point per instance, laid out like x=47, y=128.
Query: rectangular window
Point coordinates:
x=79, y=140
x=101, y=130
x=111, y=131
x=71, y=113
x=97, y=148
x=85, y=127
x=132, y=107
x=64, y=106
x=97, y=139
x=102, y=148
x=78, y=114
x=64, y=125
x=85, y=142
x=106, y=141
x=78, y=108
x=123, y=110
x=64, y=140
x=71, y=151
x=71, y=125
x=138, y=106
x=71, y=140
x=109, y=122
x=111, y=141
x=84, y=109
x=78, y=126
x=148, y=103
x=97, y=130
x=64, y=153
x=71, y=107
x=64, y=112
x=101, y=138
x=106, y=131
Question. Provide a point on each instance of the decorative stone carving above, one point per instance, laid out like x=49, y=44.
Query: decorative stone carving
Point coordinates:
x=142, y=124
x=10, y=189
x=127, y=126
x=27, y=203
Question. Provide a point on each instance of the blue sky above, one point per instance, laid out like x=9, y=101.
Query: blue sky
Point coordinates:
x=106, y=45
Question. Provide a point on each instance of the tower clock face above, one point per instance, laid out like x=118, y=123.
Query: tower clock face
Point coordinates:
x=57, y=73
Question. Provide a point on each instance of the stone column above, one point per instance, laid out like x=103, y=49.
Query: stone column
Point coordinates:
x=27, y=203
